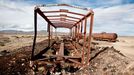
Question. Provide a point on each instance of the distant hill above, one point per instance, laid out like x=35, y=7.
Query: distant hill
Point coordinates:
x=21, y=32
x=11, y=31
x=28, y=32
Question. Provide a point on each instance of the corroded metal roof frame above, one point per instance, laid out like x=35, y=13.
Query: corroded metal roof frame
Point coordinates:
x=76, y=28
x=62, y=17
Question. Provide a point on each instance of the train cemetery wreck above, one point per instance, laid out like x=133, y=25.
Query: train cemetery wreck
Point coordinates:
x=73, y=54
x=64, y=49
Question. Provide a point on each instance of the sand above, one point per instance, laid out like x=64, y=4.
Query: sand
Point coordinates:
x=125, y=45
x=18, y=41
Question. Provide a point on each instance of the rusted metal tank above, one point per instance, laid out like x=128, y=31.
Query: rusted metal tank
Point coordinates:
x=105, y=36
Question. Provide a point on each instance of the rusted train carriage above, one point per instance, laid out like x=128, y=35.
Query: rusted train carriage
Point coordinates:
x=112, y=37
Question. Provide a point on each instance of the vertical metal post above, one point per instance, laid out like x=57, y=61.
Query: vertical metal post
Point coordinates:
x=56, y=32
x=51, y=32
x=48, y=34
x=78, y=30
x=35, y=33
x=83, y=51
x=89, y=38
x=75, y=32
x=70, y=33
x=81, y=28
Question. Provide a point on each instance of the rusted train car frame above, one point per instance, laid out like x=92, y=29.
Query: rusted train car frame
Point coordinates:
x=76, y=27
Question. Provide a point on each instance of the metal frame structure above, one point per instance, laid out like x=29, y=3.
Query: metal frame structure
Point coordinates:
x=76, y=28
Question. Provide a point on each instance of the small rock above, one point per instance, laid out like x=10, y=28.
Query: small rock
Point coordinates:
x=22, y=64
x=22, y=59
x=41, y=68
x=58, y=73
x=4, y=53
x=81, y=41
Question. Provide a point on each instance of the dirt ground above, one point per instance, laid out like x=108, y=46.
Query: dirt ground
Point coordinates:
x=108, y=58
x=125, y=45
x=10, y=42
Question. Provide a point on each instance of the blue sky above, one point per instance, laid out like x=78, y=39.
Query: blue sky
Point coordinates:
x=110, y=15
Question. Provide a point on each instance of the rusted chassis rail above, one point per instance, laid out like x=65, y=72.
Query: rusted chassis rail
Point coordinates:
x=76, y=31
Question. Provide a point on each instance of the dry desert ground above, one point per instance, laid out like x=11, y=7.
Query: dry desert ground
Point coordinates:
x=9, y=42
x=125, y=44
x=108, y=58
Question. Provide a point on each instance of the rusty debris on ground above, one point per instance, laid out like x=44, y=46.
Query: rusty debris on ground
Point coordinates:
x=104, y=60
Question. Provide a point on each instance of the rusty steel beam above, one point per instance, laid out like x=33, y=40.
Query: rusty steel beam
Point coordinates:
x=35, y=34
x=51, y=31
x=56, y=33
x=75, y=31
x=60, y=52
x=71, y=32
x=42, y=15
x=60, y=19
x=71, y=20
x=67, y=22
x=63, y=11
x=74, y=61
x=63, y=15
x=81, y=26
x=83, y=50
x=89, y=38
x=91, y=12
x=49, y=35
x=63, y=25
x=78, y=31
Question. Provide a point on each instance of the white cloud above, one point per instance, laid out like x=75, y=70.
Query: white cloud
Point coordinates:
x=15, y=15
x=92, y=3
x=119, y=19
